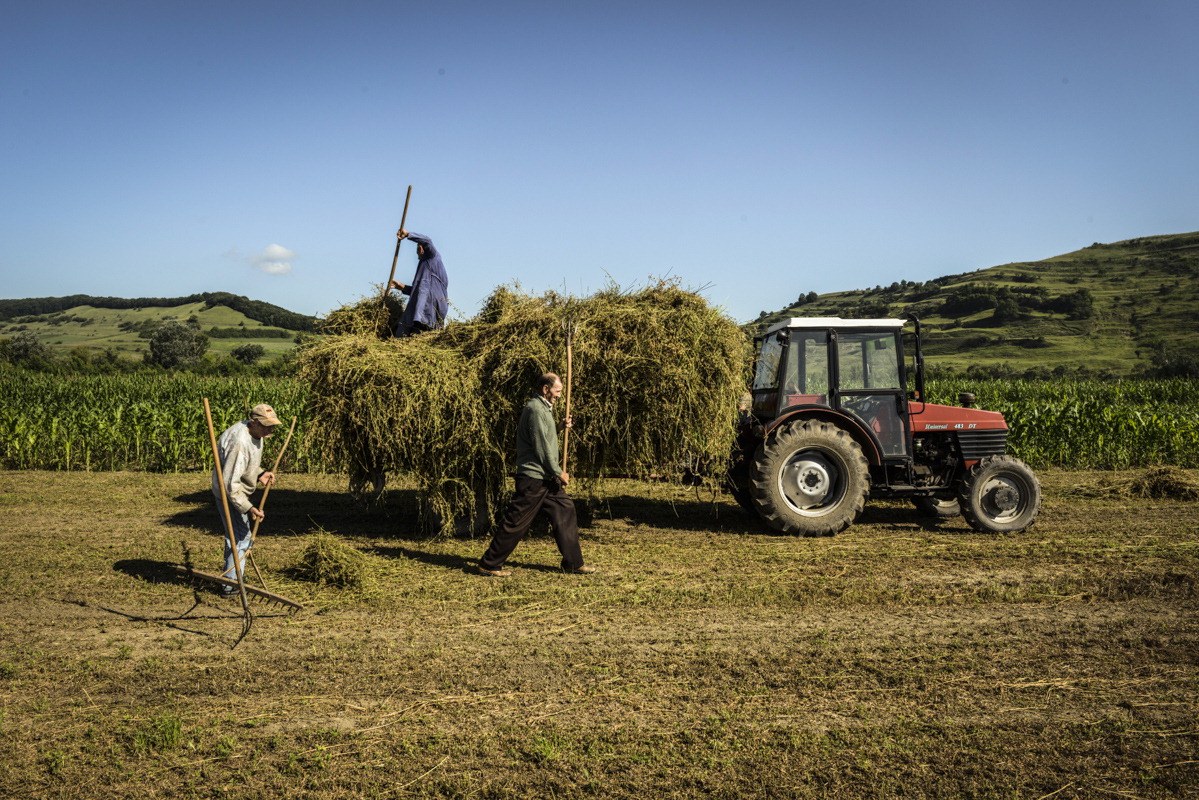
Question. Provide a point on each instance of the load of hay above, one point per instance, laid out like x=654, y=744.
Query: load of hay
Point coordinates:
x=657, y=376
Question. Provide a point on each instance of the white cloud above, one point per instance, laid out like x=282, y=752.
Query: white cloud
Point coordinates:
x=275, y=259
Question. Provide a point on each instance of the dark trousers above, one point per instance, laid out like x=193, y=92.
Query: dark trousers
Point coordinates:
x=532, y=495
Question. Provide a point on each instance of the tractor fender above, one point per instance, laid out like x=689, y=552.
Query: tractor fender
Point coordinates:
x=860, y=434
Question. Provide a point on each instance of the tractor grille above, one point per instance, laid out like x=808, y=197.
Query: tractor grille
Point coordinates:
x=980, y=444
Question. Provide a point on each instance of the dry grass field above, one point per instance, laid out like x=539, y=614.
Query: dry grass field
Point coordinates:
x=707, y=658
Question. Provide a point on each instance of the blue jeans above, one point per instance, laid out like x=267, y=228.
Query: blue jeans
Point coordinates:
x=241, y=531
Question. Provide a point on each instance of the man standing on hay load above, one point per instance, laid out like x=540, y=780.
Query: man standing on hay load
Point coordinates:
x=428, y=297
x=240, y=449
x=539, y=484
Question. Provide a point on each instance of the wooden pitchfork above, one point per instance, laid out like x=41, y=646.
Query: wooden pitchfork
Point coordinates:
x=396, y=257
x=262, y=502
x=571, y=328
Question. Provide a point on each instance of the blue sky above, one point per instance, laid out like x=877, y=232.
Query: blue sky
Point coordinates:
x=757, y=150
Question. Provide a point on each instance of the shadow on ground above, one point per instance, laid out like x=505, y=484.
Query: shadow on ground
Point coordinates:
x=149, y=571
x=291, y=511
x=161, y=572
x=396, y=515
x=453, y=562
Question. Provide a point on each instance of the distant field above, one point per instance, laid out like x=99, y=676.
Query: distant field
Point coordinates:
x=99, y=328
x=1145, y=294
x=901, y=658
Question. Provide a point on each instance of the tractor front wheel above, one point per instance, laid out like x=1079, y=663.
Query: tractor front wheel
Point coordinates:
x=1000, y=495
x=810, y=478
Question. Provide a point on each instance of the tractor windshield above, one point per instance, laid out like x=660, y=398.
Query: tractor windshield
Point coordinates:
x=766, y=373
x=767, y=369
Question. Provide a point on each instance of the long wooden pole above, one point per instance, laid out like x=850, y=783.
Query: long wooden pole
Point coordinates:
x=396, y=257
x=220, y=476
x=262, y=502
x=569, y=380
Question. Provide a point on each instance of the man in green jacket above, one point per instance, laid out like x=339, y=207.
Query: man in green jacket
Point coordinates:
x=539, y=484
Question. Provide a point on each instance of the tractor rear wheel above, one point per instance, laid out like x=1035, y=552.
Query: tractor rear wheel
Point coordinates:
x=810, y=478
x=938, y=507
x=1000, y=495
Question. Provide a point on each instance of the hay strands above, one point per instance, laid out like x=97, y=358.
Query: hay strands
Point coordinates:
x=262, y=503
x=252, y=591
x=396, y=257
x=247, y=616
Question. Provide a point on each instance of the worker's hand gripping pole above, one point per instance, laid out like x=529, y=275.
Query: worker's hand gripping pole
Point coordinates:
x=220, y=476
x=396, y=257
x=262, y=502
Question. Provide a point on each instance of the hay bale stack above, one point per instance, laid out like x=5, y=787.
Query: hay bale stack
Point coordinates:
x=657, y=376
x=404, y=406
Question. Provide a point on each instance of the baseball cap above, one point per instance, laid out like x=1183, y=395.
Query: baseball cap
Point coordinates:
x=264, y=414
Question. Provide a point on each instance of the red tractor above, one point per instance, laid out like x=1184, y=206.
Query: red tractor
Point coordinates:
x=831, y=420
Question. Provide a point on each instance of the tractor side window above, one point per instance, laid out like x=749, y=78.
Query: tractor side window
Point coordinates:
x=868, y=361
x=766, y=374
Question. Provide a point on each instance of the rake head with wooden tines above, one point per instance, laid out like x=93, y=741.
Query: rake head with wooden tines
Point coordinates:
x=253, y=592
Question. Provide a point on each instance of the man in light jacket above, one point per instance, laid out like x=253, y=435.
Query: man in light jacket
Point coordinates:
x=240, y=448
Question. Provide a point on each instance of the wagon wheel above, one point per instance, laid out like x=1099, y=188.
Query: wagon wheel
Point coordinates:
x=737, y=481
x=367, y=485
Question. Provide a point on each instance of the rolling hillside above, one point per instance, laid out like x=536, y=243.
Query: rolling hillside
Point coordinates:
x=1105, y=308
x=122, y=324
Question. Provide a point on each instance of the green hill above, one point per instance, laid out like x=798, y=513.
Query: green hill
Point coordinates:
x=124, y=324
x=1106, y=308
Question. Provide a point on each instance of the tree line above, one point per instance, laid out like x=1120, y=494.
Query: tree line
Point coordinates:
x=172, y=345
x=266, y=313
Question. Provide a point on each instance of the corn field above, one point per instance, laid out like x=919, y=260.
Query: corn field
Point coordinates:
x=155, y=422
x=1091, y=424
x=143, y=421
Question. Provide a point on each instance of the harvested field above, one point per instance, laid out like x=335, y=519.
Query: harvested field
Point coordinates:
x=706, y=658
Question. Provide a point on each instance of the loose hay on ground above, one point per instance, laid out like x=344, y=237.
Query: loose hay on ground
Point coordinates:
x=1165, y=482
x=328, y=561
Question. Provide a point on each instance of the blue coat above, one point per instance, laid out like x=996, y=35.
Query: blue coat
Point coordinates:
x=428, y=294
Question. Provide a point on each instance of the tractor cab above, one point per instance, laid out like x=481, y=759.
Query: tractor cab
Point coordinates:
x=853, y=368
